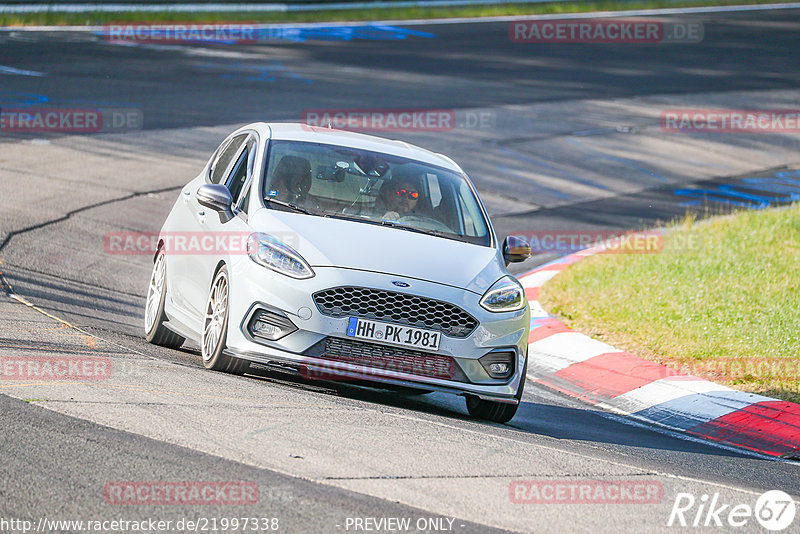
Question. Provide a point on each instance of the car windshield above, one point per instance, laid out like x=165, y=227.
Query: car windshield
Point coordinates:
x=373, y=188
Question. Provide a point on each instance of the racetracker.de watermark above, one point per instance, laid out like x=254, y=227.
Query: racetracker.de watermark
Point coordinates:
x=177, y=33
x=184, y=243
x=69, y=120
x=752, y=367
x=354, y=371
x=730, y=120
x=235, y=33
x=399, y=120
x=567, y=241
x=547, y=491
x=181, y=493
x=605, y=31
x=55, y=368
x=148, y=525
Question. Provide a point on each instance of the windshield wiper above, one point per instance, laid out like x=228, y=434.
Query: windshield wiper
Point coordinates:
x=289, y=205
x=390, y=224
x=437, y=233
x=351, y=218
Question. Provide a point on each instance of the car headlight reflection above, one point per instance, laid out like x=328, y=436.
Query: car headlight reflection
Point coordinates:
x=276, y=255
x=505, y=295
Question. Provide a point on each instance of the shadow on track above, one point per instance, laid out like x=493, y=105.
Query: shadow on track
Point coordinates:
x=580, y=423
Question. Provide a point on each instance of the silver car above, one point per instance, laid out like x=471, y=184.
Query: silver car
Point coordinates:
x=343, y=256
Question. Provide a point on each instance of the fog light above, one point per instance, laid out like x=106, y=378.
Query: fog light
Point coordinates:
x=270, y=326
x=499, y=368
x=269, y=331
x=499, y=364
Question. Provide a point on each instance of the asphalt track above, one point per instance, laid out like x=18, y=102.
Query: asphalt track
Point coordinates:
x=569, y=147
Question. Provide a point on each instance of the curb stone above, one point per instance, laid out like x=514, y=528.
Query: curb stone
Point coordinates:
x=601, y=375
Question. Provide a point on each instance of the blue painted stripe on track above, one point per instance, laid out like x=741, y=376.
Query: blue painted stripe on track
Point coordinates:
x=631, y=163
x=536, y=321
x=691, y=410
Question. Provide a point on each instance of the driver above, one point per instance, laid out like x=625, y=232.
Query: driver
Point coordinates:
x=396, y=199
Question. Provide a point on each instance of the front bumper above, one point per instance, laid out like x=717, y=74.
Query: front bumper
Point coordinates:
x=255, y=287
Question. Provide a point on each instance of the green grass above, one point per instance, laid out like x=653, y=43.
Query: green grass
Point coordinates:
x=98, y=18
x=726, y=309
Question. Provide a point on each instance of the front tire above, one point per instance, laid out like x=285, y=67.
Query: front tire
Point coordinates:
x=154, y=316
x=215, y=328
x=497, y=412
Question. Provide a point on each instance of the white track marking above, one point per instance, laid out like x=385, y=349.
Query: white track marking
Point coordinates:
x=470, y=20
x=20, y=72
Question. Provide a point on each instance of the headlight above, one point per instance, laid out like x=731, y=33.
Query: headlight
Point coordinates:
x=505, y=295
x=273, y=254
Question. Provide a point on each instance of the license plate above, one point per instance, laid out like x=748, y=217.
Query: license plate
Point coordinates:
x=393, y=334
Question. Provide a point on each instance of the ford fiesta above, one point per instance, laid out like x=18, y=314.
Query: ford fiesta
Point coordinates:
x=346, y=257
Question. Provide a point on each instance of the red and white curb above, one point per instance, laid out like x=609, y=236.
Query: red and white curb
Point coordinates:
x=601, y=375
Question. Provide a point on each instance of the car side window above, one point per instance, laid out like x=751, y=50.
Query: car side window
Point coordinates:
x=225, y=155
x=473, y=220
x=238, y=176
x=435, y=192
x=246, y=200
x=241, y=170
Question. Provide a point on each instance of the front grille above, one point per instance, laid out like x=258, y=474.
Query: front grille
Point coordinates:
x=400, y=308
x=387, y=358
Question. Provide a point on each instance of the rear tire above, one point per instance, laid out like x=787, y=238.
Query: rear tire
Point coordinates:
x=497, y=412
x=154, y=317
x=215, y=328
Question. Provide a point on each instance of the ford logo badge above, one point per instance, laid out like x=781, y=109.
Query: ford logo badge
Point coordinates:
x=398, y=283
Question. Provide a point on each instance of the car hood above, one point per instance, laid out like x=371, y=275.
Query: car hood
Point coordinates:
x=325, y=242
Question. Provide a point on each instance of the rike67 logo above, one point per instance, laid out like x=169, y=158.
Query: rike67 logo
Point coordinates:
x=774, y=510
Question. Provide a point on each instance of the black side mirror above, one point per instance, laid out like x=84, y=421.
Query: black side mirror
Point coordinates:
x=515, y=249
x=218, y=198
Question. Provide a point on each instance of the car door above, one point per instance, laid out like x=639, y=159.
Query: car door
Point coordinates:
x=227, y=239
x=188, y=224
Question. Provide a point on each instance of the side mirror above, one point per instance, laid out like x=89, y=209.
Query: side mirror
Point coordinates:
x=218, y=198
x=516, y=249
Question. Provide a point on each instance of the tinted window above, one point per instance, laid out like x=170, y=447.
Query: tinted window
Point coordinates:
x=238, y=175
x=225, y=155
x=242, y=170
x=246, y=201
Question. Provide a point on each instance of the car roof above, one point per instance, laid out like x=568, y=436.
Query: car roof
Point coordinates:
x=302, y=132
